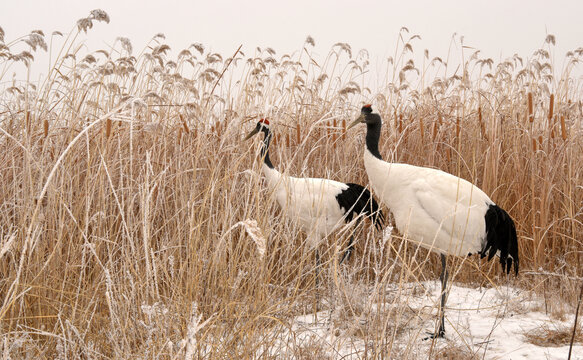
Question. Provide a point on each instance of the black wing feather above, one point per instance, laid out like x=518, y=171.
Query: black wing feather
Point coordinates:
x=501, y=236
x=358, y=200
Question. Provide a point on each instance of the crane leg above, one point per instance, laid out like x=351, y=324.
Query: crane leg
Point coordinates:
x=350, y=247
x=318, y=264
x=443, y=277
x=348, y=251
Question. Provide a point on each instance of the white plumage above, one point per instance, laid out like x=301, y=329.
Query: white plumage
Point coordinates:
x=309, y=201
x=319, y=206
x=439, y=211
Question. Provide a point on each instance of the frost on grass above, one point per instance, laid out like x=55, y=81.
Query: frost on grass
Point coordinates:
x=254, y=231
x=193, y=327
x=6, y=241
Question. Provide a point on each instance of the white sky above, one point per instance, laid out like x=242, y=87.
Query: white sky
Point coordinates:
x=498, y=28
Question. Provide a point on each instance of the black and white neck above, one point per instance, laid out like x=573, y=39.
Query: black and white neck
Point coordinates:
x=263, y=126
x=265, y=147
x=373, y=130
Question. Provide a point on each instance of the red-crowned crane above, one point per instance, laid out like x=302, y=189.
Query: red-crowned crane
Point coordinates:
x=319, y=206
x=439, y=211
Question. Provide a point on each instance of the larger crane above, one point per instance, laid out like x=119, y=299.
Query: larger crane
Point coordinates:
x=439, y=211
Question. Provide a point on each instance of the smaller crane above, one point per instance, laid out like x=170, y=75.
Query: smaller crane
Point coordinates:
x=319, y=206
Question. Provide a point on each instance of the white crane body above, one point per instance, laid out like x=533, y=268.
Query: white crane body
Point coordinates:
x=311, y=202
x=439, y=211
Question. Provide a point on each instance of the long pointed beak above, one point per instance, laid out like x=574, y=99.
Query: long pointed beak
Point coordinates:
x=255, y=131
x=357, y=121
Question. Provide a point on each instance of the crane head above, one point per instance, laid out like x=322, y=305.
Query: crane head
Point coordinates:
x=364, y=112
x=261, y=124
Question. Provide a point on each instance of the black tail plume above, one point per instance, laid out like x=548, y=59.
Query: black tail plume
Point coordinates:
x=358, y=200
x=501, y=236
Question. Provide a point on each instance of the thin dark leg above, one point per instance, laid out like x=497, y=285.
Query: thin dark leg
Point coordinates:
x=443, y=277
x=350, y=248
x=318, y=264
x=317, y=292
x=348, y=251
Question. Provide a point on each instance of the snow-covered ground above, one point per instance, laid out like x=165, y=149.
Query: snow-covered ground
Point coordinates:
x=481, y=323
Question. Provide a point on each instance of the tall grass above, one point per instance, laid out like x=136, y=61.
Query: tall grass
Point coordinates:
x=131, y=212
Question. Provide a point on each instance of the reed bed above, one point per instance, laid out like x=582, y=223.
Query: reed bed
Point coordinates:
x=134, y=222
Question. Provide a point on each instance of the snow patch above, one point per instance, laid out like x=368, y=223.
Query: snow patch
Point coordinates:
x=485, y=323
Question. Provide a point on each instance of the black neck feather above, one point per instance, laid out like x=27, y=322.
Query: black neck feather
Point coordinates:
x=373, y=134
x=265, y=147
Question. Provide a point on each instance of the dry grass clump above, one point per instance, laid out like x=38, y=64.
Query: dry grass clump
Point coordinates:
x=455, y=352
x=311, y=351
x=553, y=335
x=134, y=221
